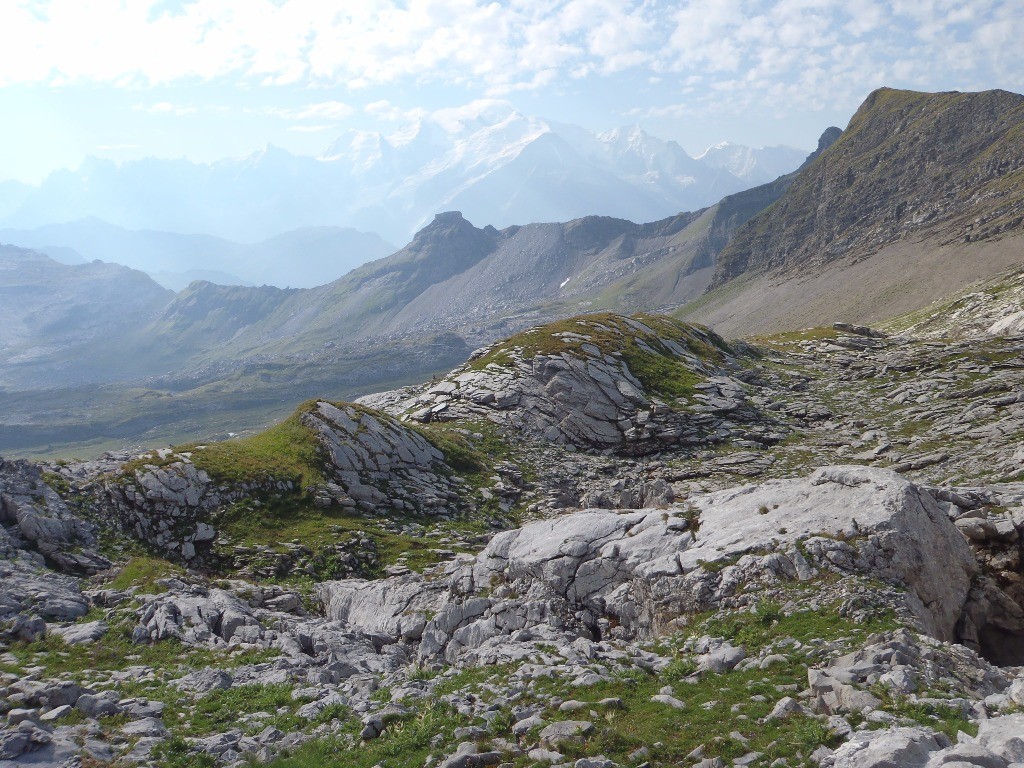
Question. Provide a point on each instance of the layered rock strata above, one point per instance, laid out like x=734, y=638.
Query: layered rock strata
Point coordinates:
x=595, y=385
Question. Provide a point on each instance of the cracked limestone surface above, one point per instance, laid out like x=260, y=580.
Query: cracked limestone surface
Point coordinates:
x=583, y=391
x=630, y=574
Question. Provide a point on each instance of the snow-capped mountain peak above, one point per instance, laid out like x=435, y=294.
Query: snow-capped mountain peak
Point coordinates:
x=754, y=165
x=492, y=162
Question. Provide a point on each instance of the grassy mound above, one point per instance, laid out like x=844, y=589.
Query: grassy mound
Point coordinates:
x=287, y=451
x=642, y=341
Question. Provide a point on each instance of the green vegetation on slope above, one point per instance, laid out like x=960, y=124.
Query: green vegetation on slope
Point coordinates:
x=273, y=526
x=287, y=451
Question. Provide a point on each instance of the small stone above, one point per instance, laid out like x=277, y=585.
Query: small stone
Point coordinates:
x=16, y=716
x=56, y=713
x=671, y=701
x=565, y=731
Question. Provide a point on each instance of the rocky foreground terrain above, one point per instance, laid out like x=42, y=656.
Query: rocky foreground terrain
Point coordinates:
x=608, y=541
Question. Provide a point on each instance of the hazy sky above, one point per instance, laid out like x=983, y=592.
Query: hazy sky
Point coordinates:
x=204, y=79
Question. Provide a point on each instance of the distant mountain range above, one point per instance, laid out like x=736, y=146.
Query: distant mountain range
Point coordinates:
x=494, y=164
x=920, y=196
x=300, y=258
x=454, y=278
x=55, y=317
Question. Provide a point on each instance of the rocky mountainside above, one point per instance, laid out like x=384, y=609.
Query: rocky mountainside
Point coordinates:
x=609, y=540
x=242, y=355
x=927, y=185
x=498, y=166
x=909, y=165
x=457, y=285
x=452, y=278
x=476, y=282
x=630, y=385
x=454, y=285
x=606, y=541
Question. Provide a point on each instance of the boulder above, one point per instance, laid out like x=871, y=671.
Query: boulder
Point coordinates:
x=641, y=569
x=43, y=523
x=565, y=732
x=145, y=727
x=99, y=704
x=906, y=747
x=195, y=615
x=1004, y=736
x=631, y=573
x=202, y=681
x=467, y=755
x=82, y=634
x=30, y=589
x=397, y=608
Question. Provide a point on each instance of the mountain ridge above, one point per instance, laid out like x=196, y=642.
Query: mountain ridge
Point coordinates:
x=920, y=196
x=871, y=174
x=452, y=277
x=456, y=285
x=394, y=184
x=52, y=313
x=300, y=258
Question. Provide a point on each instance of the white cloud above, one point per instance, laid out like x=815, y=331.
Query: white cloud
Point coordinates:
x=815, y=53
x=764, y=49
x=167, y=108
x=280, y=42
x=324, y=110
x=385, y=110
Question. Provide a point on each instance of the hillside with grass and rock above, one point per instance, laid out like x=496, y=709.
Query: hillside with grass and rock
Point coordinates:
x=610, y=540
x=920, y=195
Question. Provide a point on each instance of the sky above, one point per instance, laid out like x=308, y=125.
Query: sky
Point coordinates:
x=207, y=79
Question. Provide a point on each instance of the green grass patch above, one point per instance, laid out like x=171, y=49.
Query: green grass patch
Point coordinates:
x=287, y=451
x=459, y=453
x=221, y=709
x=716, y=705
x=283, y=520
x=175, y=752
x=143, y=572
x=116, y=651
x=404, y=744
x=947, y=719
x=768, y=623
